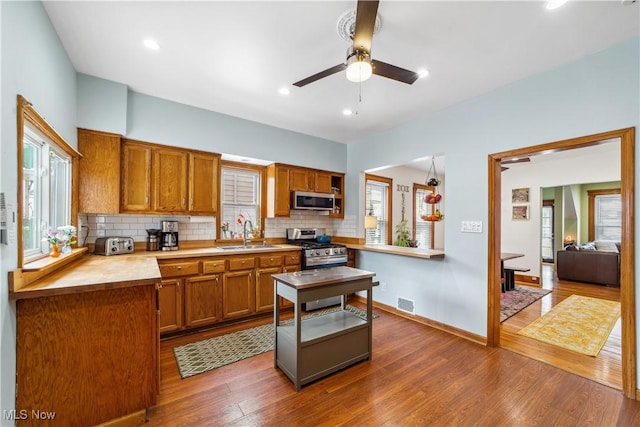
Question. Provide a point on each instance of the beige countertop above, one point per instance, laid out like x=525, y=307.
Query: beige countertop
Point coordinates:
x=216, y=251
x=323, y=276
x=92, y=273
x=95, y=272
x=400, y=250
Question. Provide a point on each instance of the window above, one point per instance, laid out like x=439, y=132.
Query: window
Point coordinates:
x=424, y=230
x=240, y=202
x=378, y=202
x=46, y=176
x=605, y=215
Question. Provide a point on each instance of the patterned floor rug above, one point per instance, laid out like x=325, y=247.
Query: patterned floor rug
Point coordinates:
x=578, y=323
x=514, y=301
x=202, y=356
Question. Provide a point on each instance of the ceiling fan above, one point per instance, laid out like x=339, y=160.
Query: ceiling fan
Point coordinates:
x=359, y=64
x=514, y=160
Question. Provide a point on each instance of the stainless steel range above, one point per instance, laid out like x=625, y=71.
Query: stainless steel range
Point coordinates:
x=317, y=255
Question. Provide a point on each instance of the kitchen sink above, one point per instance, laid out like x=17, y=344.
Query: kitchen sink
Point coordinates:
x=248, y=247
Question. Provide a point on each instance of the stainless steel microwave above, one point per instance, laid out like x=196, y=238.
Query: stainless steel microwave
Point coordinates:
x=313, y=201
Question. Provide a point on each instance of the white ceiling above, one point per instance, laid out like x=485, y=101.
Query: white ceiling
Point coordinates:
x=233, y=56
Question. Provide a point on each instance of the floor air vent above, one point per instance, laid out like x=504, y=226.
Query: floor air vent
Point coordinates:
x=406, y=305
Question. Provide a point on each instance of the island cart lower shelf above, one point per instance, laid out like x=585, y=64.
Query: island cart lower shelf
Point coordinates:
x=309, y=349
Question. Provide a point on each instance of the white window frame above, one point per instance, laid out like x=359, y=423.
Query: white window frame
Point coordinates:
x=44, y=215
x=251, y=211
x=32, y=126
x=381, y=209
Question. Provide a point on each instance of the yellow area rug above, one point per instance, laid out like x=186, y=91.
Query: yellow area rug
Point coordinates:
x=578, y=323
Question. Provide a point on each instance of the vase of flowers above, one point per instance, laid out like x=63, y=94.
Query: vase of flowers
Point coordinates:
x=61, y=239
x=224, y=229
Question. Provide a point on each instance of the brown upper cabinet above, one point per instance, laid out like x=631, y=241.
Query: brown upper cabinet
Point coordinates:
x=136, y=177
x=181, y=181
x=301, y=179
x=99, y=171
x=283, y=179
x=170, y=168
x=204, y=179
x=118, y=175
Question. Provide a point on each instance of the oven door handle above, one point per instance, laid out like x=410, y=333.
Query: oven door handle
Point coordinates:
x=325, y=260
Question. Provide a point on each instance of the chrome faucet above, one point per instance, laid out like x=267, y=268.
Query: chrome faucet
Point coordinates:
x=244, y=232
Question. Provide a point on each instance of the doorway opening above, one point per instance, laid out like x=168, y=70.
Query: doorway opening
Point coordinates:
x=627, y=253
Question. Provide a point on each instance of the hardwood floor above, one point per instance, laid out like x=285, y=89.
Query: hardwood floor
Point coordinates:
x=605, y=368
x=417, y=376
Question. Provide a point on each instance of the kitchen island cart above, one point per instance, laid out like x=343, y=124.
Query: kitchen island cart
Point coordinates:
x=310, y=348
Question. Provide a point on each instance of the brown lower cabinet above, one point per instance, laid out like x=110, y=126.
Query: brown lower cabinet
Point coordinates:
x=198, y=292
x=202, y=301
x=170, y=302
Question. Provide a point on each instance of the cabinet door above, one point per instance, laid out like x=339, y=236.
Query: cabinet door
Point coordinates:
x=136, y=177
x=282, y=192
x=202, y=300
x=170, y=180
x=99, y=169
x=299, y=180
x=238, y=294
x=322, y=181
x=264, y=288
x=204, y=172
x=170, y=303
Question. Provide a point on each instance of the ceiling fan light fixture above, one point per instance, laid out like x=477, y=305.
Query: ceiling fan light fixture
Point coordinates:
x=359, y=67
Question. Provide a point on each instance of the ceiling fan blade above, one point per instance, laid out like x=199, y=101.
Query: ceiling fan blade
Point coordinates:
x=365, y=22
x=392, y=72
x=320, y=75
x=519, y=160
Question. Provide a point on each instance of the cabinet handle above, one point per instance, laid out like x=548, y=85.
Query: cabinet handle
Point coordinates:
x=146, y=199
x=179, y=267
x=184, y=201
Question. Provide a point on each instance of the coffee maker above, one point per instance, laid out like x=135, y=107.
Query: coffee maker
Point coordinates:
x=169, y=235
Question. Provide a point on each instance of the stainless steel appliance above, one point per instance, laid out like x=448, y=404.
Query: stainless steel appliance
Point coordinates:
x=169, y=235
x=113, y=246
x=313, y=201
x=317, y=255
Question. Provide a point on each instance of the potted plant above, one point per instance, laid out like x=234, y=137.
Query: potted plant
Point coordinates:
x=403, y=235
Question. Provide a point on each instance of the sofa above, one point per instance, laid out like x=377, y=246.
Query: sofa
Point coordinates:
x=594, y=262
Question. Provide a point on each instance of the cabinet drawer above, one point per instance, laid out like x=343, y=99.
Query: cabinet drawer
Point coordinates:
x=241, y=263
x=179, y=269
x=292, y=259
x=213, y=266
x=271, y=261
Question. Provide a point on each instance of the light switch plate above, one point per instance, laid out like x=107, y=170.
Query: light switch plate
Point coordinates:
x=471, y=227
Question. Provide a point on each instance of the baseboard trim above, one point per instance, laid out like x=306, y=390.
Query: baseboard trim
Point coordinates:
x=423, y=320
x=533, y=280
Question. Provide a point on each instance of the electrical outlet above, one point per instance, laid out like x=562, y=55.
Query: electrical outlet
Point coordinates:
x=383, y=286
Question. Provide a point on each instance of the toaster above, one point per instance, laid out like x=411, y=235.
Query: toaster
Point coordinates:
x=113, y=245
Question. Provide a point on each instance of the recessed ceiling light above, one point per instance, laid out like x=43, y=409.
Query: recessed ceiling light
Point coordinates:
x=423, y=73
x=554, y=4
x=347, y=112
x=151, y=44
x=284, y=91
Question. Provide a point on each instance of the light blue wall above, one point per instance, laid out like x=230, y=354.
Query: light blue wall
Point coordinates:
x=35, y=65
x=102, y=104
x=161, y=121
x=595, y=94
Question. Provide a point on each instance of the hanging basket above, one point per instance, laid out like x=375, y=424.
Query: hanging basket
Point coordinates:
x=432, y=181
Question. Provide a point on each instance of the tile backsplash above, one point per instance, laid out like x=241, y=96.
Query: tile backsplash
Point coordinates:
x=92, y=226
